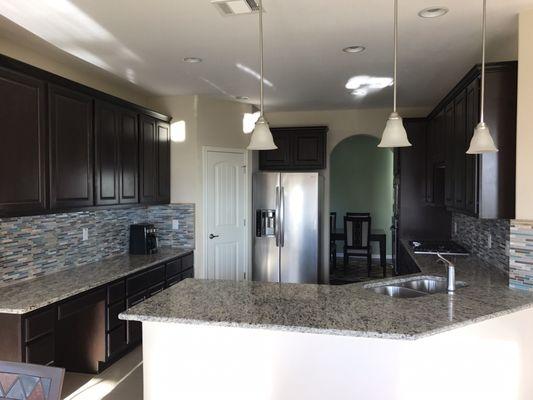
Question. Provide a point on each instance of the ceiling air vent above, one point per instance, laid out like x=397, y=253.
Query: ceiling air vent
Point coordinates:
x=236, y=7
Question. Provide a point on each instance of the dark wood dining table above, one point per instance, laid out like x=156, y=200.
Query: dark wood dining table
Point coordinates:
x=376, y=235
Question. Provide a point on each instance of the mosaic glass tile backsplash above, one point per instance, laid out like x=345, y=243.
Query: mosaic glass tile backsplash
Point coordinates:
x=474, y=233
x=521, y=264
x=39, y=245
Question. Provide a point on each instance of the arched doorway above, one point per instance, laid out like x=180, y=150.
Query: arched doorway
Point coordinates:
x=361, y=181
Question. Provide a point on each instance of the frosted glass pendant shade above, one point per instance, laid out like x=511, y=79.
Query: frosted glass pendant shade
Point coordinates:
x=481, y=141
x=262, y=137
x=394, y=134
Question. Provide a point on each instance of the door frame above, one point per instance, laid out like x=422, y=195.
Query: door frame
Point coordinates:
x=246, y=159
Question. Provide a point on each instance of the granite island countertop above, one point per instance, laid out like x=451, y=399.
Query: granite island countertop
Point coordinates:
x=26, y=296
x=349, y=310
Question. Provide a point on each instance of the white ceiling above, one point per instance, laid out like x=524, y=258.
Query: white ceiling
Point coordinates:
x=145, y=42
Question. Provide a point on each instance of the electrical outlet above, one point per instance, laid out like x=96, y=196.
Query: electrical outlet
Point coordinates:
x=175, y=224
x=85, y=234
x=489, y=241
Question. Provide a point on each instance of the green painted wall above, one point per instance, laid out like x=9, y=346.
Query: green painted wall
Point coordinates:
x=361, y=176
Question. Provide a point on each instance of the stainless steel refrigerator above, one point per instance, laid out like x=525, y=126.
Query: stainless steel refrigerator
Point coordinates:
x=286, y=245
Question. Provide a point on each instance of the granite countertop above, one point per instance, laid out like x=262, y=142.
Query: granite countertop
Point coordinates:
x=26, y=296
x=348, y=310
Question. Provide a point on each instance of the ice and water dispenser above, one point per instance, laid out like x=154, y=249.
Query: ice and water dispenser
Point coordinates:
x=265, y=223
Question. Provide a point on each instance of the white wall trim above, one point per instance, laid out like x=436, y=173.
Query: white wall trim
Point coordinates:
x=247, y=202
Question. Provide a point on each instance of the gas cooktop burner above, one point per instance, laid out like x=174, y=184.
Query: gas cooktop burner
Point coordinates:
x=445, y=247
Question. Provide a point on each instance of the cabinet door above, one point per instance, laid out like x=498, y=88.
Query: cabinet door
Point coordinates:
x=459, y=151
x=71, y=142
x=450, y=173
x=309, y=150
x=430, y=160
x=163, y=163
x=472, y=119
x=148, y=159
x=279, y=159
x=23, y=153
x=106, y=154
x=128, y=157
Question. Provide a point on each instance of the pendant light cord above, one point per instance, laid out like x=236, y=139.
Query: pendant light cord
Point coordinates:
x=395, y=50
x=484, y=34
x=262, y=97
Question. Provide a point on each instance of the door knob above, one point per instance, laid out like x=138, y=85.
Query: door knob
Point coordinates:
x=211, y=236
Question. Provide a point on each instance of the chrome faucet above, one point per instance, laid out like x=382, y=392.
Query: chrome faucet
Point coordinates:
x=450, y=273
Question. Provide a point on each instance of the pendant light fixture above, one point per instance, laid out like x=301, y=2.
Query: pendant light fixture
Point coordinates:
x=482, y=140
x=394, y=134
x=261, y=136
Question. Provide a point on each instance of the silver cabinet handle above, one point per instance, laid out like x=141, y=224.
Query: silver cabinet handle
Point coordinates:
x=277, y=226
x=211, y=236
x=282, y=216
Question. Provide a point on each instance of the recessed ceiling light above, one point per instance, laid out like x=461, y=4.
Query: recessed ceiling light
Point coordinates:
x=192, y=60
x=242, y=97
x=354, y=49
x=433, y=12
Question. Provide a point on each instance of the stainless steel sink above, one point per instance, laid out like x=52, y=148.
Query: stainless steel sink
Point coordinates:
x=415, y=287
x=397, y=291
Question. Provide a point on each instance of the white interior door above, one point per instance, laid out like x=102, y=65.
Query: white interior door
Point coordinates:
x=225, y=233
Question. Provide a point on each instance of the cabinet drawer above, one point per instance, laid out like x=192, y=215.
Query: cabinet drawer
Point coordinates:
x=145, y=280
x=116, y=340
x=135, y=299
x=41, y=351
x=156, y=289
x=72, y=307
x=173, y=280
x=188, y=274
x=112, y=314
x=39, y=324
x=187, y=261
x=173, y=267
x=116, y=291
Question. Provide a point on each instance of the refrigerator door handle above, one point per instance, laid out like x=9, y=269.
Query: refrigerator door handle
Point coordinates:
x=282, y=216
x=277, y=217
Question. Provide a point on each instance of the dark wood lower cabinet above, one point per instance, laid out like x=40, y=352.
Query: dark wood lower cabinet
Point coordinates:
x=84, y=333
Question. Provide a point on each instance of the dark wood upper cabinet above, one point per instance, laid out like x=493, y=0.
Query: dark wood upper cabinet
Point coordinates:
x=448, y=130
x=163, y=162
x=471, y=163
x=128, y=157
x=459, y=148
x=148, y=159
x=23, y=153
x=106, y=140
x=67, y=146
x=71, y=145
x=279, y=158
x=116, y=155
x=480, y=185
x=299, y=148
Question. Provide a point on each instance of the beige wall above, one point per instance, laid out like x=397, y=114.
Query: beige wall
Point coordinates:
x=342, y=124
x=210, y=122
x=45, y=56
x=524, y=159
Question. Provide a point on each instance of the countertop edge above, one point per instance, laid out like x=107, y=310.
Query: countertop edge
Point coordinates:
x=91, y=286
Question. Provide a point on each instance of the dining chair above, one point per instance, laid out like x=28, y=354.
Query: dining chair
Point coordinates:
x=20, y=381
x=357, y=230
x=332, y=243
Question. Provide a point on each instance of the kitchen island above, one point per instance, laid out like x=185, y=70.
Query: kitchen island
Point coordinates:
x=291, y=341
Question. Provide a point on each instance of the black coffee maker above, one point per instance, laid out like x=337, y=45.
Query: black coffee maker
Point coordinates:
x=143, y=239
